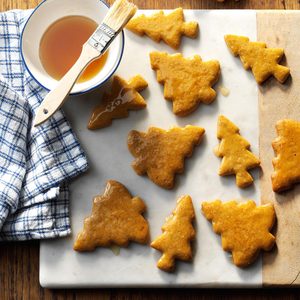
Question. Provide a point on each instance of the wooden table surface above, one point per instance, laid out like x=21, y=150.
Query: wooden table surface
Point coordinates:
x=19, y=262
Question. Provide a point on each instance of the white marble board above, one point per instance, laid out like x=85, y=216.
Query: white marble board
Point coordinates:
x=109, y=158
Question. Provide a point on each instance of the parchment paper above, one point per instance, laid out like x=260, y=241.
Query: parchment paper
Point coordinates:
x=280, y=101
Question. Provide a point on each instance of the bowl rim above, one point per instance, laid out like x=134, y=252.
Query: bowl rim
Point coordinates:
x=95, y=86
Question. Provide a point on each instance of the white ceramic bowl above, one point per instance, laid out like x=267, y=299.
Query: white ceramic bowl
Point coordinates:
x=42, y=17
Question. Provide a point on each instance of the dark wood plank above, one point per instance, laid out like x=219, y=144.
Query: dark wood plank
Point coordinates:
x=205, y=4
x=19, y=262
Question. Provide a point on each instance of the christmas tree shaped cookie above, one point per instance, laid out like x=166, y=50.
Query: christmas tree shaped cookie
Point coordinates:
x=168, y=28
x=244, y=228
x=287, y=150
x=124, y=96
x=160, y=154
x=116, y=219
x=263, y=61
x=178, y=232
x=187, y=81
x=235, y=153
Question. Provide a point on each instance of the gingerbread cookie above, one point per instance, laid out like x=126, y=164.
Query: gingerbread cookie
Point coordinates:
x=234, y=150
x=187, y=81
x=287, y=150
x=178, y=232
x=263, y=61
x=244, y=228
x=116, y=219
x=169, y=28
x=124, y=96
x=160, y=154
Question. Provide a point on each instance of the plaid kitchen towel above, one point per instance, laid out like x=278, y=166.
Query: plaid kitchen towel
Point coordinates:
x=35, y=163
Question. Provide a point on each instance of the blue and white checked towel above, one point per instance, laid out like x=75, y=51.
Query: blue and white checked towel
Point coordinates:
x=35, y=163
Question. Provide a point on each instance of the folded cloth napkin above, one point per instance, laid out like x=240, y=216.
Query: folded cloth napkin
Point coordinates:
x=35, y=163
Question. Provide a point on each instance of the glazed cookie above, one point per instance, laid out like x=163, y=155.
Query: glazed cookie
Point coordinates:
x=187, y=81
x=244, y=228
x=116, y=219
x=160, y=154
x=235, y=153
x=178, y=232
x=124, y=96
x=263, y=61
x=287, y=150
x=169, y=28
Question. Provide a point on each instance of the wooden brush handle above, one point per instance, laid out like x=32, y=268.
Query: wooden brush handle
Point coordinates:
x=56, y=97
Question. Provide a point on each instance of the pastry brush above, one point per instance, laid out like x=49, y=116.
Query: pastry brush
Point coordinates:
x=117, y=17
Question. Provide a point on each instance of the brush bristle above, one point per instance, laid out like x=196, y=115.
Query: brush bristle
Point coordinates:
x=119, y=14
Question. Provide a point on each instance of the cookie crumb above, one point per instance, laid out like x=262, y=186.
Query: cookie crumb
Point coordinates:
x=115, y=250
x=224, y=91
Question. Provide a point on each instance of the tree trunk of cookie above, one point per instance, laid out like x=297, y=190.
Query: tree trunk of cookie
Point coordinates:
x=166, y=262
x=243, y=179
x=281, y=73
